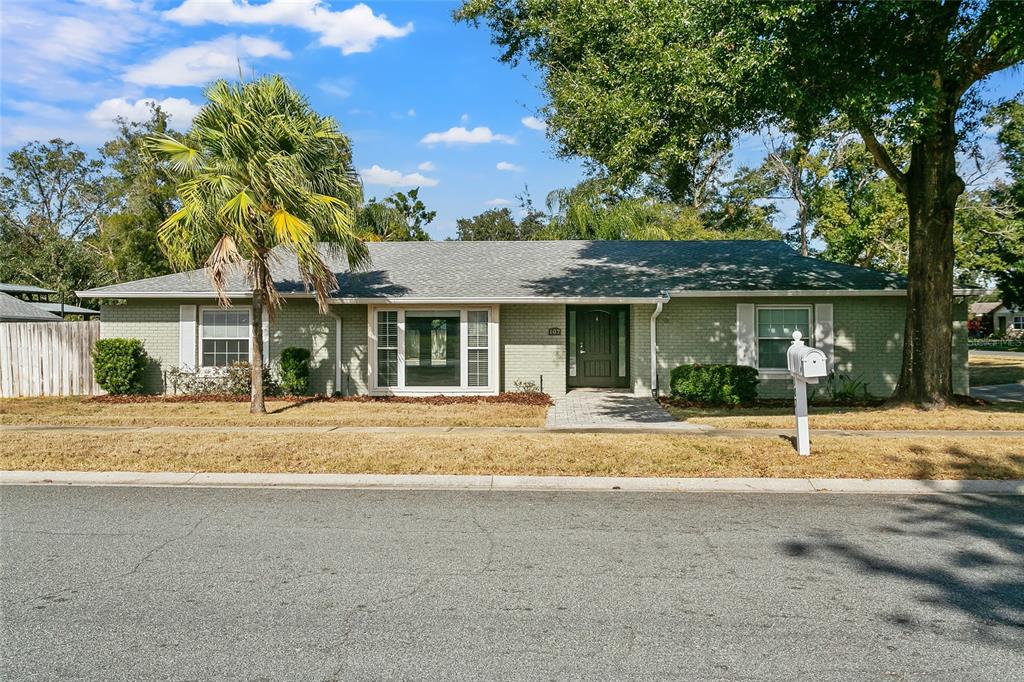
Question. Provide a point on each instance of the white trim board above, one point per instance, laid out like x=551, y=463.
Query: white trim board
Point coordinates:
x=485, y=300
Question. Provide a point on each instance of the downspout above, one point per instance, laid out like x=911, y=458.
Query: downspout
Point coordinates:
x=337, y=352
x=654, y=341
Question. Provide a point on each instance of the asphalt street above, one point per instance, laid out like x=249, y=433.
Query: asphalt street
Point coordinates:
x=236, y=584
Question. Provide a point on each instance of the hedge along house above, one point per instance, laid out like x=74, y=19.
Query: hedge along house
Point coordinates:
x=483, y=317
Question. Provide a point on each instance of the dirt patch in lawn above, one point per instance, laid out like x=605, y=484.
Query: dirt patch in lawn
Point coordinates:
x=525, y=454
x=989, y=370
x=961, y=418
x=85, y=412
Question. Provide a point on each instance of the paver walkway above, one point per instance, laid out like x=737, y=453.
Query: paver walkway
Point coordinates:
x=1000, y=393
x=609, y=409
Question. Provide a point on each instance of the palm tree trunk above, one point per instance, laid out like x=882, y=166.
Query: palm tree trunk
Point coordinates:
x=256, y=404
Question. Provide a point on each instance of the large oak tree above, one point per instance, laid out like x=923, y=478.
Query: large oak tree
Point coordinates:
x=638, y=86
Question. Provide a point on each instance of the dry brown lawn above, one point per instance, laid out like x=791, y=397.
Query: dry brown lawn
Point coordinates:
x=523, y=454
x=987, y=370
x=964, y=418
x=81, y=412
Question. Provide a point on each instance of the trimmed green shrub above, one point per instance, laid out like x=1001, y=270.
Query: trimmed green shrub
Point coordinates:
x=294, y=375
x=119, y=365
x=715, y=384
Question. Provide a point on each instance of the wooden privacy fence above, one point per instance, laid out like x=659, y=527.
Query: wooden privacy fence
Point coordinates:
x=47, y=358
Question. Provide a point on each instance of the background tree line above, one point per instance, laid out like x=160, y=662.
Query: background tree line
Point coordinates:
x=71, y=221
x=846, y=209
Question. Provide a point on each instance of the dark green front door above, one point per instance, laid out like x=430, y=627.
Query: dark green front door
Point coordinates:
x=596, y=340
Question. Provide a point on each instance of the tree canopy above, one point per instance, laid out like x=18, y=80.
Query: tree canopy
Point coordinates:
x=641, y=87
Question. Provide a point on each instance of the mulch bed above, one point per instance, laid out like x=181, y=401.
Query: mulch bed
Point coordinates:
x=508, y=398
x=960, y=400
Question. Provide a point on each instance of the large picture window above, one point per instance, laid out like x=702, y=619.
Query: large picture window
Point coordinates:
x=432, y=348
x=425, y=350
x=225, y=337
x=775, y=327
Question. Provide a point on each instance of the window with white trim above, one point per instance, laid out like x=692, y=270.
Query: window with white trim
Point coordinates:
x=477, y=348
x=1018, y=321
x=775, y=327
x=224, y=335
x=387, y=348
x=417, y=349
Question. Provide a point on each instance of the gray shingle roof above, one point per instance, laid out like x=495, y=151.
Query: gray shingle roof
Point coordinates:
x=68, y=308
x=9, y=288
x=15, y=310
x=548, y=269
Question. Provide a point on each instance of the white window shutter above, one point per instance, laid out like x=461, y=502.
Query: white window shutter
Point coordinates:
x=266, y=337
x=823, y=334
x=746, y=336
x=187, y=337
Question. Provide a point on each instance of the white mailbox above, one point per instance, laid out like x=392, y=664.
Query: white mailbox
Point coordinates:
x=806, y=365
x=806, y=362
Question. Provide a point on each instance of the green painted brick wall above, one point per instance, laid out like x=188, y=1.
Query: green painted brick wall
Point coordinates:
x=528, y=353
x=297, y=323
x=868, y=338
x=155, y=323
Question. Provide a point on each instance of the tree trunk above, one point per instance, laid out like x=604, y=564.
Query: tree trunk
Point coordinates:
x=932, y=188
x=256, y=404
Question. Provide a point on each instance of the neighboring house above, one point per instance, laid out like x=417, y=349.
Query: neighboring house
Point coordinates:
x=483, y=317
x=983, y=312
x=15, y=310
x=1008, y=320
x=41, y=299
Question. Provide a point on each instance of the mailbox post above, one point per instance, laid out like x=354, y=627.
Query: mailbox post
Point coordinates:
x=806, y=366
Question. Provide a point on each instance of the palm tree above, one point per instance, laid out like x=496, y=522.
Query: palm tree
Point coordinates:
x=260, y=169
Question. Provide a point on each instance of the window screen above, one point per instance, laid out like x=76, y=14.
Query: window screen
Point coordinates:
x=775, y=327
x=225, y=337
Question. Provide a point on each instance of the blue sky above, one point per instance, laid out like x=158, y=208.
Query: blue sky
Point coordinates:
x=424, y=99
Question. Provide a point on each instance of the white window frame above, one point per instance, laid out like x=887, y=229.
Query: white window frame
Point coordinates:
x=199, y=335
x=463, y=388
x=1017, y=322
x=808, y=339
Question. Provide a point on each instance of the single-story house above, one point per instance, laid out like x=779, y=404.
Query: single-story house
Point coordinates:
x=1008, y=319
x=482, y=317
x=15, y=310
x=39, y=298
x=983, y=312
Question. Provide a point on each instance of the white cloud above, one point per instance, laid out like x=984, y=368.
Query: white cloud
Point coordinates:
x=180, y=110
x=464, y=119
x=534, y=123
x=498, y=202
x=427, y=166
x=339, y=87
x=203, y=62
x=511, y=167
x=356, y=29
x=460, y=135
x=375, y=175
x=58, y=48
x=411, y=113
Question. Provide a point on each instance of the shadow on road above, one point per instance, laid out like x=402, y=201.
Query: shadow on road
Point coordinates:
x=960, y=579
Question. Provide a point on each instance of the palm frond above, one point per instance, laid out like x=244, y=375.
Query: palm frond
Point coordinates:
x=181, y=157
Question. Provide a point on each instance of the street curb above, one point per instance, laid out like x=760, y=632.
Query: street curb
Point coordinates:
x=510, y=483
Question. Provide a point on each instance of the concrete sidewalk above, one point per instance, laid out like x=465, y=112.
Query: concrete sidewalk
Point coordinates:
x=491, y=482
x=694, y=430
